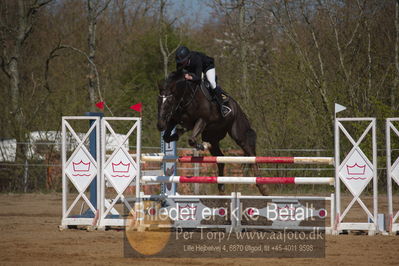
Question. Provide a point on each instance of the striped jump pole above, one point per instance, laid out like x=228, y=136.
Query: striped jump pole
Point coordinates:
x=239, y=180
x=237, y=159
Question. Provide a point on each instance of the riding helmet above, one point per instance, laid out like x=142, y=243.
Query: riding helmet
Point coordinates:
x=182, y=54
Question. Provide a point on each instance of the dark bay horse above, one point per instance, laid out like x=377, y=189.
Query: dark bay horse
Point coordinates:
x=188, y=104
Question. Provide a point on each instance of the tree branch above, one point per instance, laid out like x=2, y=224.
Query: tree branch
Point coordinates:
x=357, y=24
x=53, y=55
x=98, y=13
x=338, y=44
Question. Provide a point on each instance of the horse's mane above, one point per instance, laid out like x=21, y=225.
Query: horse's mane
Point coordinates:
x=174, y=76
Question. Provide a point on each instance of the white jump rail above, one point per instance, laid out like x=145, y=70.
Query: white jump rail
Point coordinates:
x=237, y=159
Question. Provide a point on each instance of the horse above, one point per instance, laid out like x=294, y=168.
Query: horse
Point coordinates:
x=189, y=104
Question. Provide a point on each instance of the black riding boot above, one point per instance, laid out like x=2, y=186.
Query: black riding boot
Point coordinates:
x=224, y=110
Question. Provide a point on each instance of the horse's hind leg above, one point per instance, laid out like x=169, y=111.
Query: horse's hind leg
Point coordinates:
x=215, y=151
x=245, y=137
x=197, y=130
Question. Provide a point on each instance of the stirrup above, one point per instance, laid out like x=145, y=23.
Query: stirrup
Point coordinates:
x=224, y=97
x=225, y=110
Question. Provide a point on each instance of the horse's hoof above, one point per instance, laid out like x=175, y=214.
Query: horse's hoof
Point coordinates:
x=192, y=143
x=200, y=147
x=221, y=188
x=263, y=189
x=206, y=145
x=171, y=138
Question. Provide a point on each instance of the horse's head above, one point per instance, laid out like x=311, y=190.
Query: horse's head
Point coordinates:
x=170, y=94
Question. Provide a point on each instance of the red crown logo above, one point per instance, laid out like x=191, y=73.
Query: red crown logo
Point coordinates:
x=81, y=166
x=189, y=214
x=120, y=167
x=356, y=169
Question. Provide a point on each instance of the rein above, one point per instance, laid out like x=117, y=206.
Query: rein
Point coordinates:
x=194, y=92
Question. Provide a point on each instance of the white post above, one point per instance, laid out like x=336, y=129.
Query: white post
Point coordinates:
x=64, y=179
x=99, y=198
x=26, y=167
x=375, y=178
x=389, y=179
x=138, y=154
x=337, y=162
x=332, y=214
x=103, y=159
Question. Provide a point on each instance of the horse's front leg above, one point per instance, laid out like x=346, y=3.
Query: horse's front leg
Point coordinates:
x=168, y=136
x=197, y=130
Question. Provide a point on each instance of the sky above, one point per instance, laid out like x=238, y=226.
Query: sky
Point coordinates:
x=190, y=10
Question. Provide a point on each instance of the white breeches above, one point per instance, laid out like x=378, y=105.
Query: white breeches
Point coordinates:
x=211, y=76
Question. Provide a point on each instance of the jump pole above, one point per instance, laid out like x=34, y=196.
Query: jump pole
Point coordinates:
x=239, y=180
x=237, y=159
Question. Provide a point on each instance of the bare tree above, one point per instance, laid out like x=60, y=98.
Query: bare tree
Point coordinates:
x=17, y=20
x=163, y=37
x=239, y=21
x=12, y=38
x=395, y=86
x=94, y=8
x=300, y=22
x=243, y=44
x=285, y=19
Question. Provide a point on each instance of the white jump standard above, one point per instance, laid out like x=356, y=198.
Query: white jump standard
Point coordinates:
x=392, y=173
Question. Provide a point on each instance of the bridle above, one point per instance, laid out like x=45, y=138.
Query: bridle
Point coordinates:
x=164, y=97
x=179, y=105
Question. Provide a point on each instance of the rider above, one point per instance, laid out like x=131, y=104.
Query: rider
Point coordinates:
x=194, y=64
